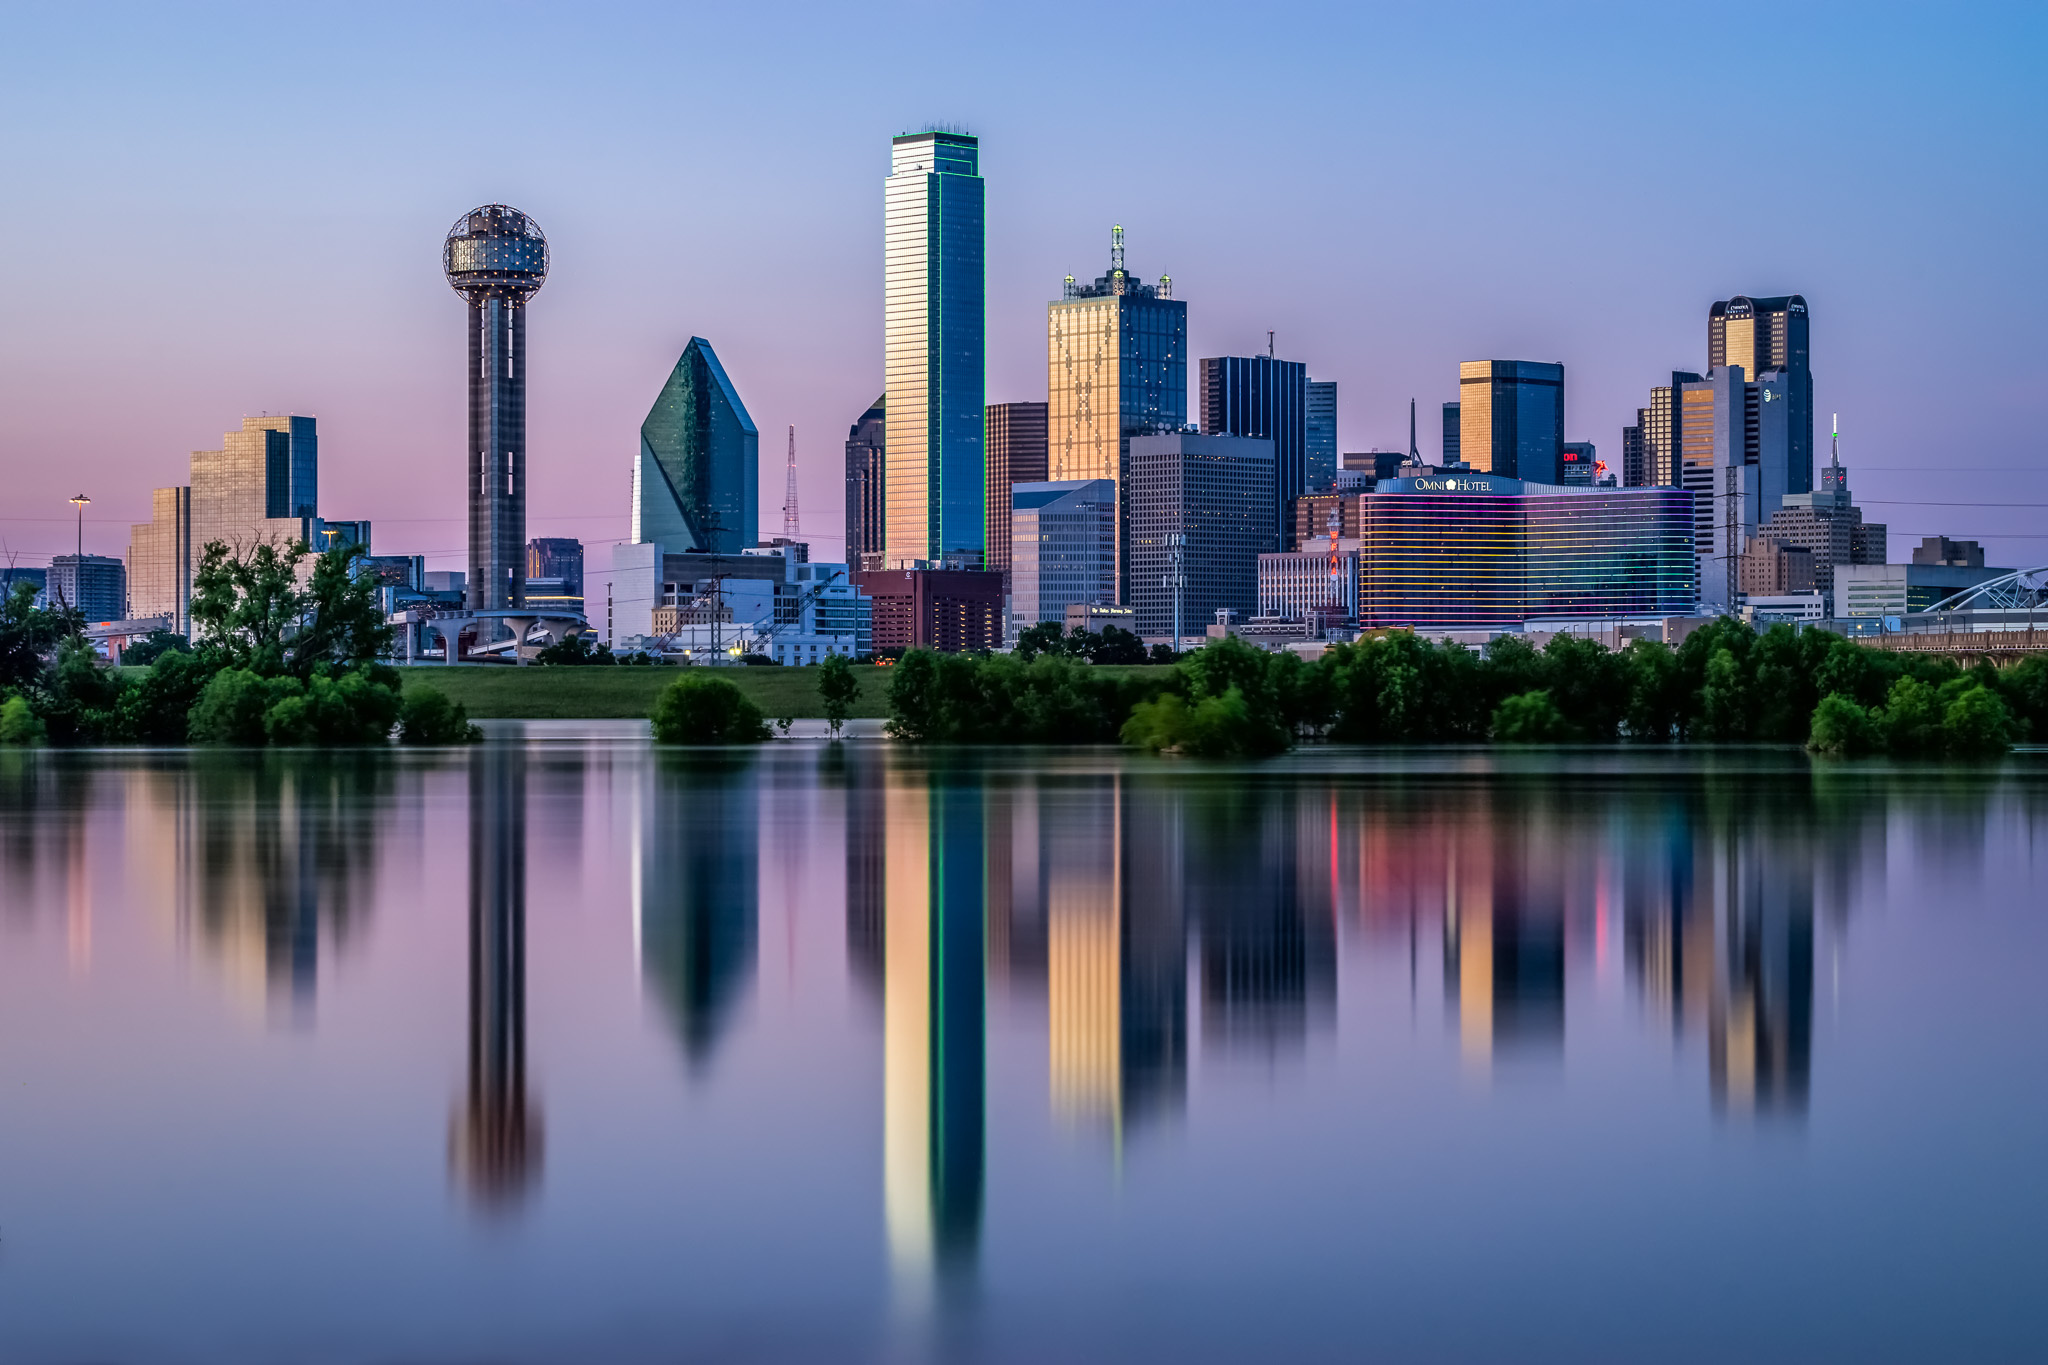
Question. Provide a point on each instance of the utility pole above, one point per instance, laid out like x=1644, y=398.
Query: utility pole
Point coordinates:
x=1177, y=543
x=789, y=512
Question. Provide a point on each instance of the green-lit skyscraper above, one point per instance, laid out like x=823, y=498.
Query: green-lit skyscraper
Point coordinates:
x=696, y=480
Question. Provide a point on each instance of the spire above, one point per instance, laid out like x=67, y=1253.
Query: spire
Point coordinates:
x=1414, y=453
x=1116, y=259
x=789, y=512
x=1835, y=453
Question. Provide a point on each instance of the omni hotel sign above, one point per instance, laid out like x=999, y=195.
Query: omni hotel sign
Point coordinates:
x=1459, y=481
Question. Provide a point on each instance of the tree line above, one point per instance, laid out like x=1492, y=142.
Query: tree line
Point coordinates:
x=281, y=657
x=1726, y=683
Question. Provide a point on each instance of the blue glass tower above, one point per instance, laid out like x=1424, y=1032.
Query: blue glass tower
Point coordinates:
x=934, y=321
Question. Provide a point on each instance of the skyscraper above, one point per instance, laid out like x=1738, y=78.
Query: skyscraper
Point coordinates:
x=1066, y=548
x=1635, y=466
x=1116, y=367
x=1319, y=443
x=696, y=483
x=1265, y=399
x=1764, y=334
x=1016, y=454
x=260, y=488
x=496, y=258
x=866, y=468
x=96, y=585
x=1214, y=491
x=1511, y=418
x=160, y=559
x=934, y=348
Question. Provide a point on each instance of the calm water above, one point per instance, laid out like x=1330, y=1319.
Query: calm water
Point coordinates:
x=566, y=1048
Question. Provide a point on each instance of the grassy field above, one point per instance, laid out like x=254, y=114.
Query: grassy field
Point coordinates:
x=533, y=693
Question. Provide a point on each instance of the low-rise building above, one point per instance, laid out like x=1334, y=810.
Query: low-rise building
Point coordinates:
x=950, y=610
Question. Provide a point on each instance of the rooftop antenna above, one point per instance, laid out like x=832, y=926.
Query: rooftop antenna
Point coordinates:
x=1116, y=258
x=1835, y=453
x=1269, y=343
x=789, y=512
x=1414, y=453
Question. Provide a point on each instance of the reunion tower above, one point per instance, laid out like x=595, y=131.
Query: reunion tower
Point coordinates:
x=496, y=258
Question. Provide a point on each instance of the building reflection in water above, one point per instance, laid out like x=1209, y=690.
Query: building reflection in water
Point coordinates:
x=495, y=1142
x=1267, y=945
x=1504, y=933
x=699, y=893
x=934, y=1014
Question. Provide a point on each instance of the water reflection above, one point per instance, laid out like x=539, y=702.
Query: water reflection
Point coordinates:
x=495, y=1139
x=700, y=889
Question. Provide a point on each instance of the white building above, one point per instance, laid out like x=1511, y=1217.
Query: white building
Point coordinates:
x=1322, y=576
x=766, y=600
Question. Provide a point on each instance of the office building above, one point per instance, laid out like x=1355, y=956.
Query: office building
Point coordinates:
x=1464, y=550
x=1454, y=436
x=1829, y=526
x=1954, y=554
x=1769, y=568
x=1319, y=440
x=696, y=479
x=496, y=258
x=1116, y=367
x=1015, y=439
x=1214, y=491
x=96, y=585
x=1635, y=467
x=934, y=348
x=11, y=575
x=950, y=610
x=866, y=479
x=1579, y=465
x=1762, y=335
x=765, y=600
x=558, y=558
x=1322, y=514
x=1663, y=430
x=1065, y=551
x=1318, y=582
x=1511, y=418
x=1263, y=399
x=1877, y=590
x=160, y=559
x=260, y=488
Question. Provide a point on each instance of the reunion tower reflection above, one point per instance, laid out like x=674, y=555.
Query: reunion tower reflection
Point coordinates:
x=494, y=1141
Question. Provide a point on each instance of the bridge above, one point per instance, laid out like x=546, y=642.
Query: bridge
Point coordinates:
x=449, y=624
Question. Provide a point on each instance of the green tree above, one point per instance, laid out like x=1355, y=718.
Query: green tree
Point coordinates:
x=1840, y=726
x=1223, y=726
x=838, y=689
x=19, y=724
x=1911, y=719
x=1725, y=698
x=154, y=646
x=1531, y=718
x=426, y=716
x=343, y=622
x=699, y=708
x=1977, y=723
x=1047, y=637
x=1589, y=685
x=1118, y=646
x=29, y=635
x=246, y=607
x=574, y=650
x=2025, y=689
x=1656, y=701
x=156, y=708
x=233, y=706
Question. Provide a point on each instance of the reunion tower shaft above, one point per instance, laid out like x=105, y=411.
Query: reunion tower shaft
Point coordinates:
x=496, y=258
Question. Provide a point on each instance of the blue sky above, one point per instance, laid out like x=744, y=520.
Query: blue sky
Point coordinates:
x=219, y=211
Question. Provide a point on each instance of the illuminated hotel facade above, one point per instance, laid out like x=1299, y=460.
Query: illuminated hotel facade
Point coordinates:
x=1460, y=549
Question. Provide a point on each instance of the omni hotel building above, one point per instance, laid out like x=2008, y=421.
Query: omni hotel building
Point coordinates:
x=1458, y=549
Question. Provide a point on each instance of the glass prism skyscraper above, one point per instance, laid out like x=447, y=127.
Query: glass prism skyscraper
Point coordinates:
x=934, y=350
x=695, y=482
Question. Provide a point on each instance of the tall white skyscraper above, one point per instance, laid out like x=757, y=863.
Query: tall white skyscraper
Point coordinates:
x=934, y=317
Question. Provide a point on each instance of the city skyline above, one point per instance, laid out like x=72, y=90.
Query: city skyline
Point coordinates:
x=1388, y=315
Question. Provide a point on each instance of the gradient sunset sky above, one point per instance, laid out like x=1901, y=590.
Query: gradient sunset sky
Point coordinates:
x=222, y=211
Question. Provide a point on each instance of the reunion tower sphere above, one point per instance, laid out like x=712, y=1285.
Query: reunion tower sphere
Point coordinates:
x=496, y=258
x=495, y=251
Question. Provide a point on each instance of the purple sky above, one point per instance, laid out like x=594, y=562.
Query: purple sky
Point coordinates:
x=219, y=213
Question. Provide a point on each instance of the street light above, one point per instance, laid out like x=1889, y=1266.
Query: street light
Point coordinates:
x=81, y=502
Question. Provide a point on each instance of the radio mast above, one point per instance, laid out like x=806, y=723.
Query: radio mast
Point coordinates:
x=789, y=513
